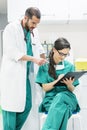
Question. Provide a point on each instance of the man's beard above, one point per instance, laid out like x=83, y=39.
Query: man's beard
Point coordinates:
x=26, y=26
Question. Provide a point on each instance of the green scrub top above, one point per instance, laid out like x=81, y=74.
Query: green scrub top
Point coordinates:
x=29, y=48
x=44, y=77
x=28, y=85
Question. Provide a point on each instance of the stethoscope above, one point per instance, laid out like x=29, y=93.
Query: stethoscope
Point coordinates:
x=26, y=34
x=32, y=36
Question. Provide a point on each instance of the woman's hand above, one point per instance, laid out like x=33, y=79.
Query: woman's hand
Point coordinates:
x=69, y=83
x=60, y=77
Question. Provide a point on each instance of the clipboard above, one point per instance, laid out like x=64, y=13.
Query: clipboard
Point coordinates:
x=74, y=75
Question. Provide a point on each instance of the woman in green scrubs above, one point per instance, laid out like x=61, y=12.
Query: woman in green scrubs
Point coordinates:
x=59, y=101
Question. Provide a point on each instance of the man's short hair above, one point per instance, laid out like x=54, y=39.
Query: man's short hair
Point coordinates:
x=33, y=11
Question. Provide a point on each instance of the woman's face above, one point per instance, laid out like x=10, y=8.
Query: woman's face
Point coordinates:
x=60, y=55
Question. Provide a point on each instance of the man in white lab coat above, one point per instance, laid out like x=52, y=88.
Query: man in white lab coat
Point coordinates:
x=21, y=46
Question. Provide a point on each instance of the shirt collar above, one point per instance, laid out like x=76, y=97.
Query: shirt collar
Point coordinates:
x=60, y=66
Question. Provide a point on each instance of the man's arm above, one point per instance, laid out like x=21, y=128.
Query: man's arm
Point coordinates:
x=38, y=61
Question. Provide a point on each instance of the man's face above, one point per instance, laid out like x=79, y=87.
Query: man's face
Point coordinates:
x=30, y=24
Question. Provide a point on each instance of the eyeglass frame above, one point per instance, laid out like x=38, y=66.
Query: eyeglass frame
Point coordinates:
x=62, y=54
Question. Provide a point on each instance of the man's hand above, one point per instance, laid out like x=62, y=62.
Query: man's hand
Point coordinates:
x=39, y=61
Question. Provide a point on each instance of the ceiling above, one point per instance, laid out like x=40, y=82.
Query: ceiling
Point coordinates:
x=3, y=6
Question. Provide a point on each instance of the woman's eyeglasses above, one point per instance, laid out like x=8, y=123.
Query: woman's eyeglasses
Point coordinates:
x=62, y=54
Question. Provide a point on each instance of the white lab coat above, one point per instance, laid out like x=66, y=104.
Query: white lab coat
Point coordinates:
x=13, y=71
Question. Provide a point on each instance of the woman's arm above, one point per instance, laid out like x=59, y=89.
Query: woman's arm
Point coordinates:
x=49, y=86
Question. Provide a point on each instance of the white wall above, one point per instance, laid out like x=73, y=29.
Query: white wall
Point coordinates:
x=3, y=21
x=1, y=46
x=76, y=34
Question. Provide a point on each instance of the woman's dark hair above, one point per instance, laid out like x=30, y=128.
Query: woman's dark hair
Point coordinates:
x=59, y=44
x=33, y=11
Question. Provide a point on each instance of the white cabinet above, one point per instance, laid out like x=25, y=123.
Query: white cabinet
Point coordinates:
x=51, y=10
x=54, y=10
x=77, y=10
